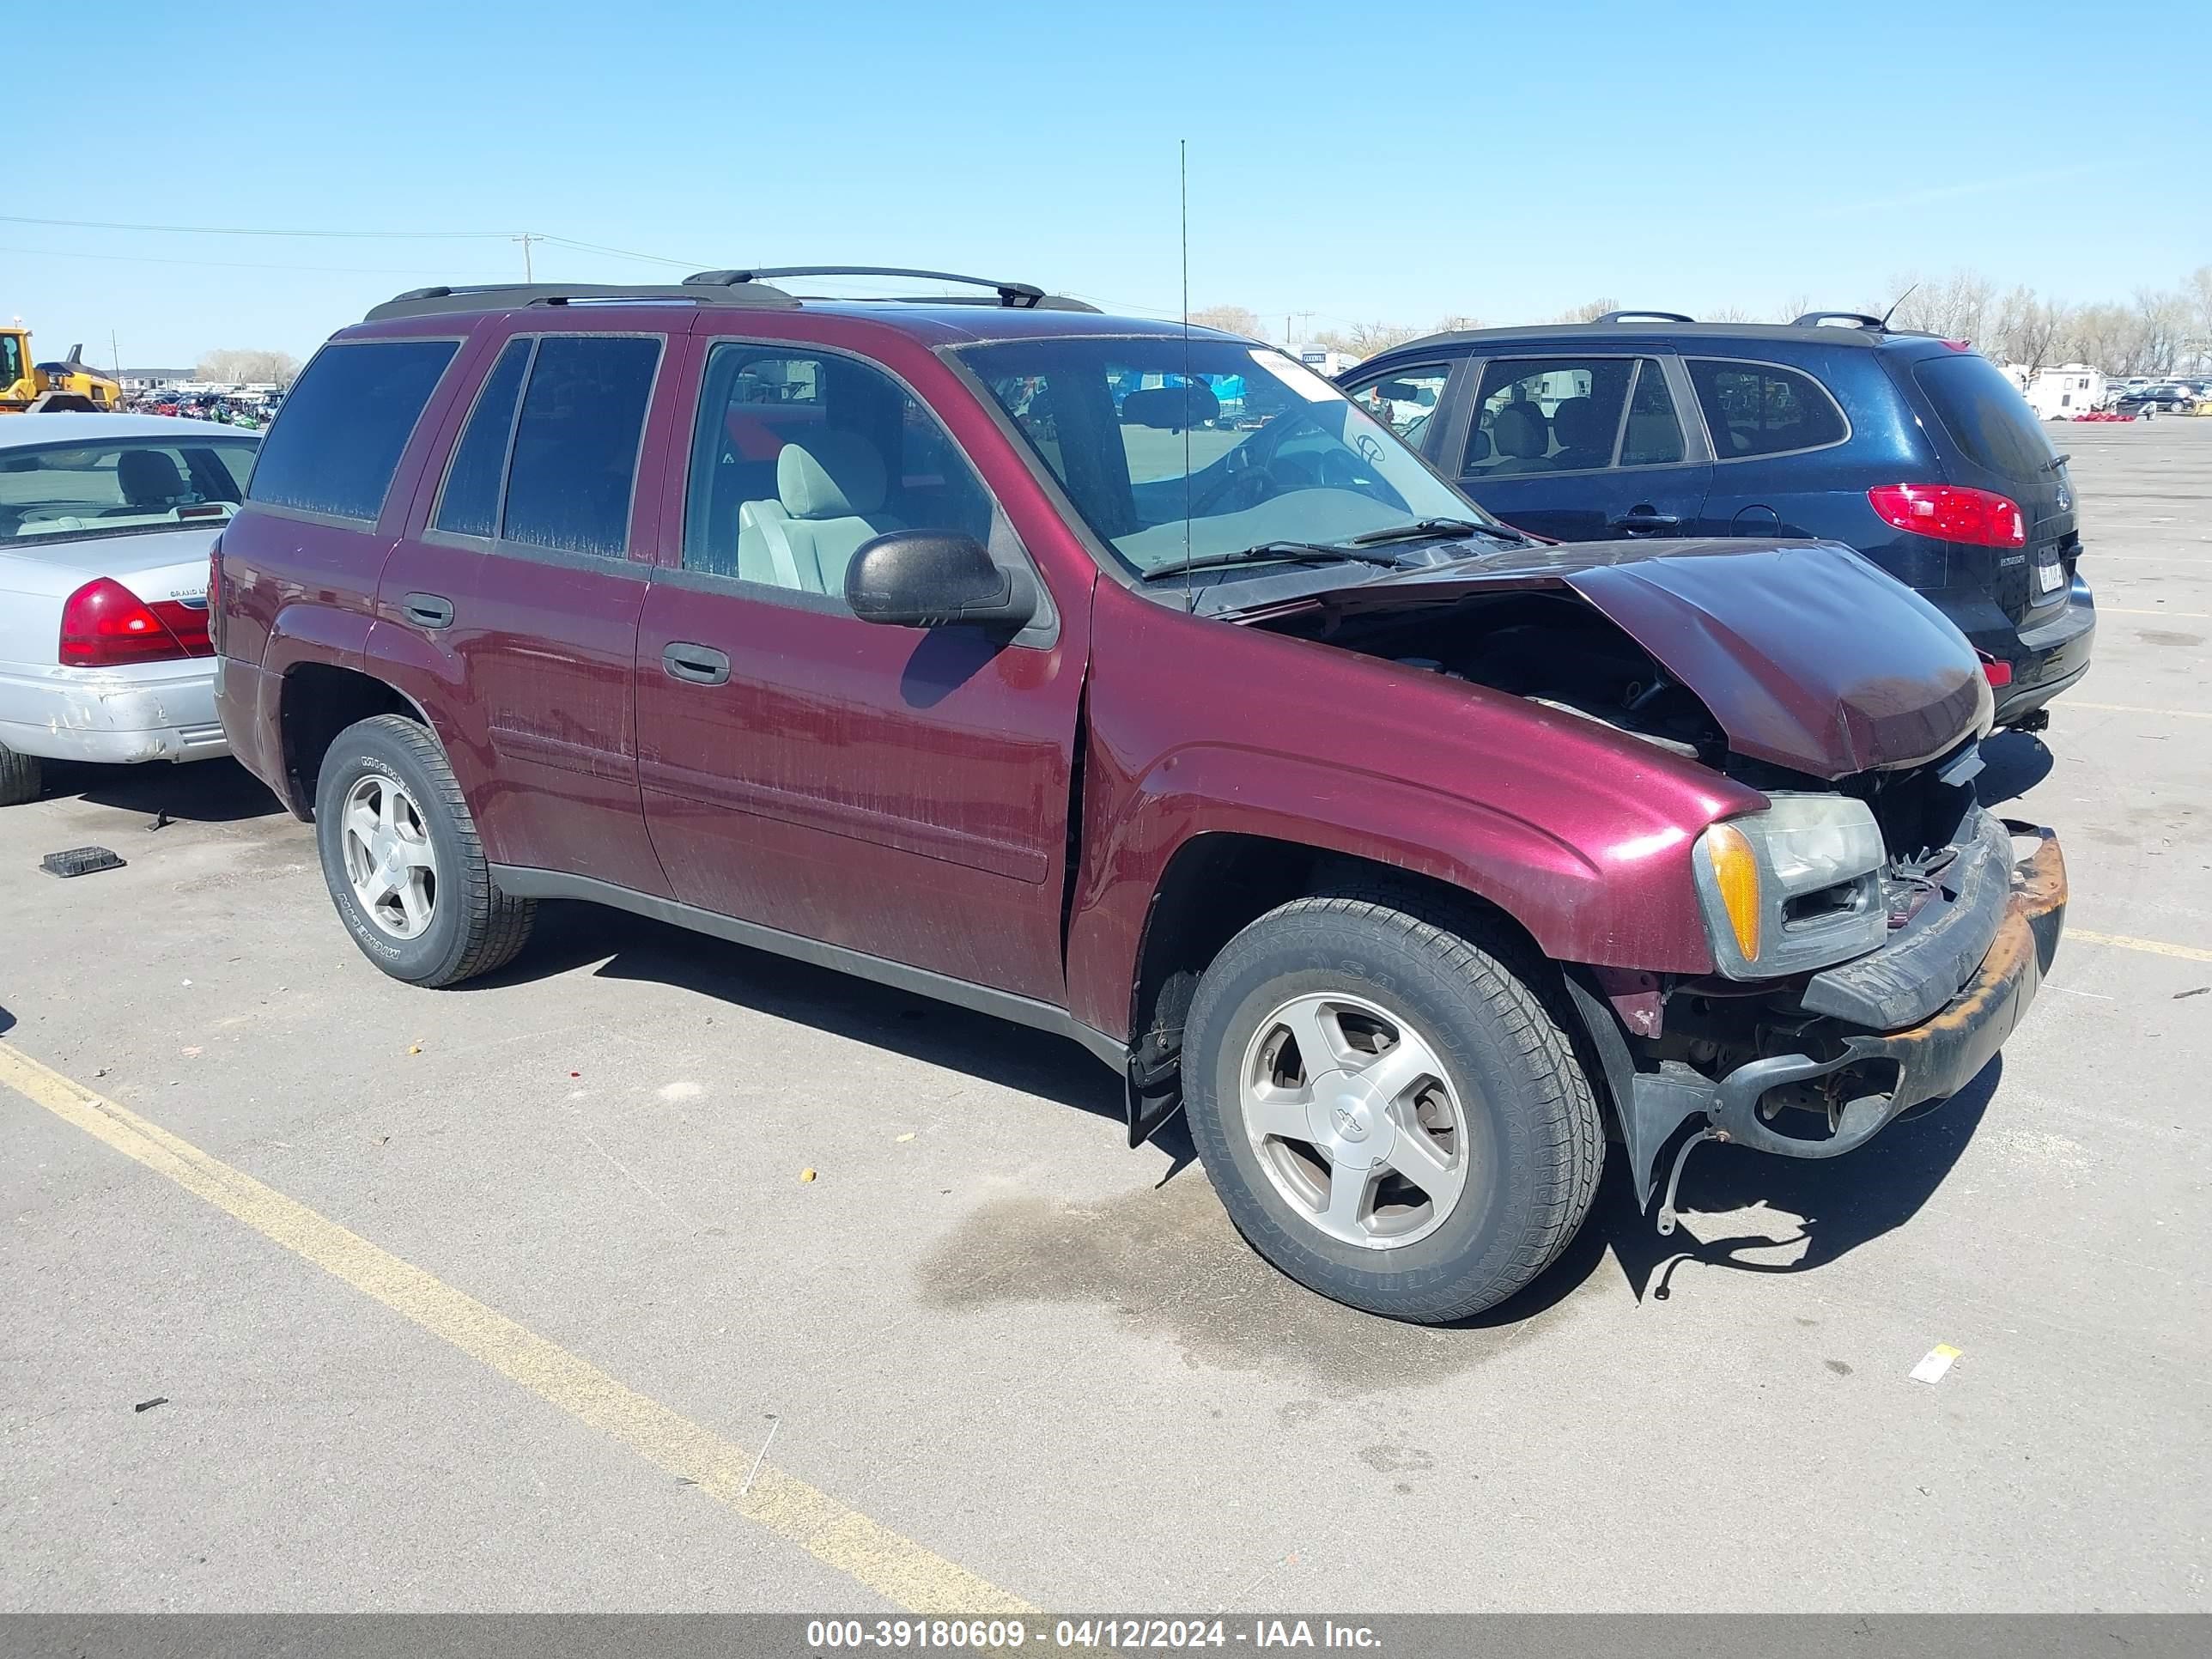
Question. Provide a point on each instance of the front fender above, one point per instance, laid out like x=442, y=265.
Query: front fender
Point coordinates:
x=1636, y=913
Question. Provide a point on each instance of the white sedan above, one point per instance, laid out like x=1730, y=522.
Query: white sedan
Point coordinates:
x=105, y=522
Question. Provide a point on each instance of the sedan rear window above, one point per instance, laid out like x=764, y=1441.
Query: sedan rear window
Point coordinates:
x=337, y=442
x=75, y=490
x=1984, y=414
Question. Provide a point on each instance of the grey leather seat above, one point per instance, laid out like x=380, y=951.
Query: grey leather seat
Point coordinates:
x=1584, y=432
x=829, y=502
x=1521, y=434
x=148, y=481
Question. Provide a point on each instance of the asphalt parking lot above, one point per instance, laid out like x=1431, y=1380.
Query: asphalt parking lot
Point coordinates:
x=514, y=1296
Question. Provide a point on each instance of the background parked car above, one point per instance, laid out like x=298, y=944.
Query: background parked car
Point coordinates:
x=105, y=525
x=1915, y=451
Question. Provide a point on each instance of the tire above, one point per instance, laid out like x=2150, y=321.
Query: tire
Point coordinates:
x=439, y=931
x=20, y=777
x=1525, y=1132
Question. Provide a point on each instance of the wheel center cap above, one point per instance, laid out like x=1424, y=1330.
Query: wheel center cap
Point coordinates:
x=1348, y=1120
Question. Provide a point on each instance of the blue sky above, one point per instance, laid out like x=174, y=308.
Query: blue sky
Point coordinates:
x=1393, y=161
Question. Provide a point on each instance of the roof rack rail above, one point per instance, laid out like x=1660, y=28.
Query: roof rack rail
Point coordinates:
x=499, y=296
x=1856, y=319
x=1025, y=296
x=1643, y=316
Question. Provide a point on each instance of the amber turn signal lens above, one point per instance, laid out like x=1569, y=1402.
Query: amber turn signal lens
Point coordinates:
x=1735, y=871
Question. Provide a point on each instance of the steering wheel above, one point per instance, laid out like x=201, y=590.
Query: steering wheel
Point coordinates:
x=1247, y=487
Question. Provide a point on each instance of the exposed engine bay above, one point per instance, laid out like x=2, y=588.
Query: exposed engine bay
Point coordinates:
x=1548, y=647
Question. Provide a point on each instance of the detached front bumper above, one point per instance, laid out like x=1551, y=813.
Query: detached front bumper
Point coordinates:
x=1891, y=1070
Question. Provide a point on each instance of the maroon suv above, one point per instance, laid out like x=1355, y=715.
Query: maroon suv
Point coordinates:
x=1129, y=682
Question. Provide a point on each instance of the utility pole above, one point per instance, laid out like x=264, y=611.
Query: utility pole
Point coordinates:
x=115, y=354
x=525, y=239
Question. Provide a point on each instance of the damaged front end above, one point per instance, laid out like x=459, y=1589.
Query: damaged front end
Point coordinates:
x=1816, y=1065
x=1875, y=933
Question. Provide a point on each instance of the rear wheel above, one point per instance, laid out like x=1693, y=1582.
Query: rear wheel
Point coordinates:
x=20, y=777
x=1388, y=1110
x=402, y=861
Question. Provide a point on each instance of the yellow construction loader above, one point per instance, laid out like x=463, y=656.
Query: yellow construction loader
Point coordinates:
x=69, y=384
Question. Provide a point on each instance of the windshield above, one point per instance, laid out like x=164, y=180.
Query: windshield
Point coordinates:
x=11, y=359
x=1208, y=446
x=104, y=488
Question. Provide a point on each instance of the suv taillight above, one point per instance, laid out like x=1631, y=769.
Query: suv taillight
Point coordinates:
x=105, y=625
x=1951, y=513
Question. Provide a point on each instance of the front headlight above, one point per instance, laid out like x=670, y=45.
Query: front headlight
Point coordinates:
x=1797, y=886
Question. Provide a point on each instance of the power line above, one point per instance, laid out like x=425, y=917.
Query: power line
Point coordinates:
x=235, y=230
x=220, y=264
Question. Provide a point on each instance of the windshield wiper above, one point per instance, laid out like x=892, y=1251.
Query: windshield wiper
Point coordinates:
x=1425, y=529
x=1265, y=552
x=2055, y=463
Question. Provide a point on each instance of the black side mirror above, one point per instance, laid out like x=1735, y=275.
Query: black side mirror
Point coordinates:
x=933, y=577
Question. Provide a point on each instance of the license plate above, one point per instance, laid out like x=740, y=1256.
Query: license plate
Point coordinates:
x=2050, y=574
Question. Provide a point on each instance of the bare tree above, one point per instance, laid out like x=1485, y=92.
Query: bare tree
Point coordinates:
x=1589, y=312
x=1230, y=319
x=1365, y=339
x=246, y=366
x=1455, y=323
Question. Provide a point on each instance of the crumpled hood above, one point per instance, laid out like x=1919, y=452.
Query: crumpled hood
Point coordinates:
x=1807, y=655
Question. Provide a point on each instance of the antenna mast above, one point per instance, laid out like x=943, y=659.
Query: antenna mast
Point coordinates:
x=1182, y=163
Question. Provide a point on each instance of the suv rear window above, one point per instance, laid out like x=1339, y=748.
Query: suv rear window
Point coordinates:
x=337, y=442
x=1984, y=414
x=1763, y=409
x=574, y=460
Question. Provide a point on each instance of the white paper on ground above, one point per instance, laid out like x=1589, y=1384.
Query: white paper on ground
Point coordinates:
x=1935, y=1363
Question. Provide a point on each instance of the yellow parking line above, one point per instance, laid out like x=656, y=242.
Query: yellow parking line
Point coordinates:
x=895, y=1567
x=2131, y=708
x=2157, y=947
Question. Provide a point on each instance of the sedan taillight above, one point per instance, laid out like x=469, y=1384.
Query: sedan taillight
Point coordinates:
x=105, y=625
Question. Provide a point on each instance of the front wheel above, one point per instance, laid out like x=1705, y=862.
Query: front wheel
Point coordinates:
x=402, y=861
x=1388, y=1110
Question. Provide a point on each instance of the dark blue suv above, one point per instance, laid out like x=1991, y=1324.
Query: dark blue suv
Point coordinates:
x=1915, y=451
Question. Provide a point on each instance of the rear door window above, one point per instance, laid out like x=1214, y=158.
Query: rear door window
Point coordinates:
x=575, y=463
x=345, y=424
x=1764, y=408
x=470, y=503
x=1984, y=414
x=1653, y=436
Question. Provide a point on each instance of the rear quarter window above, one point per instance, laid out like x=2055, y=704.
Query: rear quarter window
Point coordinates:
x=1984, y=414
x=339, y=439
x=1764, y=408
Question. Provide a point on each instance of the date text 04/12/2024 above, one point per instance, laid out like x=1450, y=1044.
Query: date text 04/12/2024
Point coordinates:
x=833, y=1635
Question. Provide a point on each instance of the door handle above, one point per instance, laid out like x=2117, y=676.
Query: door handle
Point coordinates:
x=429, y=609
x=699, y=664
x=1645, y=518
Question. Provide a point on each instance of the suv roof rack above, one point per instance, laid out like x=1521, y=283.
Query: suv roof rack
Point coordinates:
x=1019, y=296
x=1856, y=319
x=713, y=287
x=1643, y=316
x=496, y=296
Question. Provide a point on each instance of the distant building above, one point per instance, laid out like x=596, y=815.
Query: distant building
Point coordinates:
x=137, y=381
